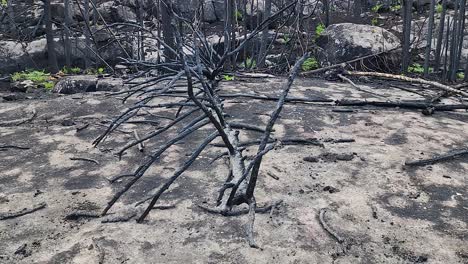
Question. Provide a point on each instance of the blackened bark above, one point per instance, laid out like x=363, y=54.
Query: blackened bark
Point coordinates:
x=52, y=56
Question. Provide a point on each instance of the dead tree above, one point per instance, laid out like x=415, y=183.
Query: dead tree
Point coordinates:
x=195, y=72
x=430, y=28
x=67, y=42
x=407, y=16
x=52, y=56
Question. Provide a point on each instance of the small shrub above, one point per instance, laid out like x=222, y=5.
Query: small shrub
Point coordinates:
x=375, y=22
x=49, y=85
x=460, y=75
x=71, y=70
x=3, y=2
x=439, y=8
x=238, y=15
x=93, y=71
x=416, y=68
x=286, y=38
x=319, y=30
x=395, y=8
x=310, y=64
x=376, y=8
x=248, y=63
x=228, y=77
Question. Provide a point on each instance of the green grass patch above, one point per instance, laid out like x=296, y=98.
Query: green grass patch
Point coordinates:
x=416, y=68
x=319, y=30
x=39, y=78
x=310, y=64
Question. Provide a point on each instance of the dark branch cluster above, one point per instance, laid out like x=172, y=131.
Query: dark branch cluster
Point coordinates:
x=192, y=78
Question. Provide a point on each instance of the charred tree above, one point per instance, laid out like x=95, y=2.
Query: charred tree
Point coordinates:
x=51, y=53
x=197, y=76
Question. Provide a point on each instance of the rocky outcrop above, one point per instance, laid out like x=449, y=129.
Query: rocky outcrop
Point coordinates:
x=17, y=56
x=86, y=83
x=347, y=41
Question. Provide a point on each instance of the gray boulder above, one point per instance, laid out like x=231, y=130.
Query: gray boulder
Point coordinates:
x=86, y=83
x=213, y=10
x=347, y=41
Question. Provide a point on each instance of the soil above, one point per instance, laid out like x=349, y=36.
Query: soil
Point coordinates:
x=385, y=212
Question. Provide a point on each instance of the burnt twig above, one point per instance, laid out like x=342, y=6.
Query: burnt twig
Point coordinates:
x=327, y=227
x=85, y=159
x=25, y=211
x=440, y=158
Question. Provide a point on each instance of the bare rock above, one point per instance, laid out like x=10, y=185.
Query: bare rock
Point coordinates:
x=86, y=83
x=348, y=41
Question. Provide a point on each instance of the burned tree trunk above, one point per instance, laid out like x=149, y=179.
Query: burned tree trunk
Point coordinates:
x=406, y=55
x=67, y=25
x=430, y=28
x=52, y=56
x=167, y=29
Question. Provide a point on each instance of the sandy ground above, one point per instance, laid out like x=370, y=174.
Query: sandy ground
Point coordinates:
x=386, y=212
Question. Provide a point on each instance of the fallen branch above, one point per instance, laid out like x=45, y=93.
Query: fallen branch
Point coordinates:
x=284, y=141
x=81, y=214
x=25, y=211
x=141, y=146
x=407, y=105
x=343, y=78
x=264, y=209
x=19, y=121
x=407, y=79
x=78, y=129
x=101, y=252
x=118, y=218
x=443, y=157
x=13, y=147
x=118, y=177
x=275, y=98
x=250, y=224
x=164, y=207
x=85, y=159
x=328, y=228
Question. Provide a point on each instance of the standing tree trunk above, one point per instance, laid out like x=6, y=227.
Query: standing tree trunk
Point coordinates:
x=229, y=35
x=167, y=29
x=141, y=39
x=452, y=74
x=407, y=10
x=11, y=17
x=264, y=42
x=326, y=7
x=51, y=55
x=429, y=39
x=440, y=36
x=87, y=34
x=460, y=34
x=67, y=44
